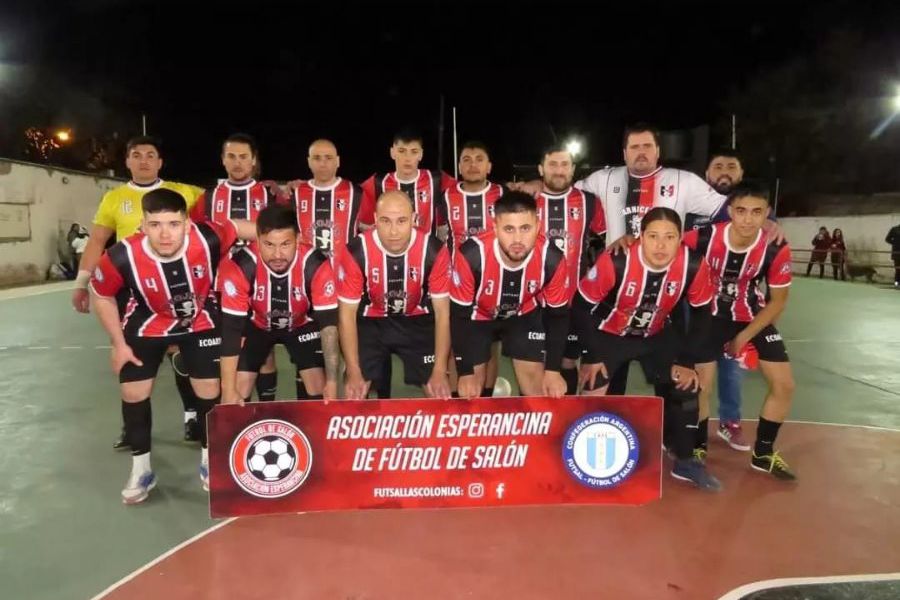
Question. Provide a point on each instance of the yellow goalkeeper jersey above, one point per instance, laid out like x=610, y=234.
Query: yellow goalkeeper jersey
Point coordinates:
x=120, y=209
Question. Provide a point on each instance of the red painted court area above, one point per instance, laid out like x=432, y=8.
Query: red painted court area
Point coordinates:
x=837, y=520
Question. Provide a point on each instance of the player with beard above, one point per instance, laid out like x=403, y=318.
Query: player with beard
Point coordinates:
x=512, y=284
x=573, y=220
x=288, y=290
x=723, y=173
x=241, y=197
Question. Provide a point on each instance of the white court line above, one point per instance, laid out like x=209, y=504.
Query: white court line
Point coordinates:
x=71, y=347
x=36, y=290
x=875, y=427
x=38, y=347
x=768, y=584
x=162, y=557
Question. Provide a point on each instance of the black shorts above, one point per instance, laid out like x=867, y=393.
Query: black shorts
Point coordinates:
x=199, y=351
x=768, y=342
x=574, y=349
x=410, y=338
x=656, y=354
x=522, y=338
x=304, y=346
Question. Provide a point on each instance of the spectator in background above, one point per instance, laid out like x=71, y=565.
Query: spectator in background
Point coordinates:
x=838, y=254
x=78, y=242
x=893, y=238
x=821, y=244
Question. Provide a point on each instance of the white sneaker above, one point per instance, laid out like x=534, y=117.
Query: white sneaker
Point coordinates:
x=138, y=488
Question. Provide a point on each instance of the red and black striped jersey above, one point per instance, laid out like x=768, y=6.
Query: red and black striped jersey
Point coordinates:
x=495, y=291
x=228, y=201
x=468, y=214
x=632, y=298
x=277, y=301
x=393, y=285
x=328, y=217
x=424, y=189
x=568, y=219
x=170, y=295
x=736, y=275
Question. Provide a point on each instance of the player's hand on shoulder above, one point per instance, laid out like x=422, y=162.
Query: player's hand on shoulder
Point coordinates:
x=622, y=244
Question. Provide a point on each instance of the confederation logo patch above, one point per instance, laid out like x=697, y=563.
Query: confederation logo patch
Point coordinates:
x=600, y=450
x=270, y=458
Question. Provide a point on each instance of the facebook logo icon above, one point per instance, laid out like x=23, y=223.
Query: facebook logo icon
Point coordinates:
x=500, y=490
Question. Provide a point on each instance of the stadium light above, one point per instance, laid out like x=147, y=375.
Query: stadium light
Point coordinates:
x=574, y=147
x=897, y=100
x=64, y=135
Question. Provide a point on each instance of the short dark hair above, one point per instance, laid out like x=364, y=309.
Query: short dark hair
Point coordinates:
x=726, y=153
x=276, y=216
x=660, y=213
x=514, y=202
x=163, y=200
x=143, y=140
x=408, y=135
x=749, y=188
x=553, y=149
x=475, y=145
x=639, y=128
x=242, y=138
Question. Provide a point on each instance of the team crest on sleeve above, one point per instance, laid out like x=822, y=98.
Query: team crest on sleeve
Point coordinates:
x=230, y=289
x=270, y=458
x=199, y=271
x=329, y=288
x=532, y=286
x=671, y=288
x=666, y=191
x=600, y=450
x=257, y=205
x=297, y=293
x=575, y=213
x=98, y=274
x=423, y=196
x=414, y=273
x=341, y=204
x=785, y=269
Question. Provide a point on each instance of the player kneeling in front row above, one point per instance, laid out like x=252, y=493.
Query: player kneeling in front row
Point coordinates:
x=622, y=313
x=170, y=268
x=740, y=255
x=288, y=290
x=511, y=283
x=393, y=285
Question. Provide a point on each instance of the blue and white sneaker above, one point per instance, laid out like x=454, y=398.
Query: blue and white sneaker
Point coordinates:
x=137, y=489
x=204, y=476
x=694, y=471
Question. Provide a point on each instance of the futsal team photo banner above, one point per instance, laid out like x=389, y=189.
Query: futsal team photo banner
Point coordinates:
x=287, y=457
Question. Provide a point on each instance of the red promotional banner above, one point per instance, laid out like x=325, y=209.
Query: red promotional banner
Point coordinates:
x=283, y=457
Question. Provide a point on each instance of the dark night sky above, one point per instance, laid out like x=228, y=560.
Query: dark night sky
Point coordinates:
x=356, y=72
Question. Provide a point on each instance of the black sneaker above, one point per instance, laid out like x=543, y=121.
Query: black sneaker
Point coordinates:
x=774, y=465
x=122, y=442
x=192, y=430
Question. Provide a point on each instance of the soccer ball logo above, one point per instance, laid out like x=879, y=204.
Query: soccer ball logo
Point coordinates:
x=271, y=458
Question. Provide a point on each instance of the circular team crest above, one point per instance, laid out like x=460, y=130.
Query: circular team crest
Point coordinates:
x=270, y=458
x=600, y=450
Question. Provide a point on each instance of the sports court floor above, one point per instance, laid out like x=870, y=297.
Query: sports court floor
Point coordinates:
x=65, y=534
